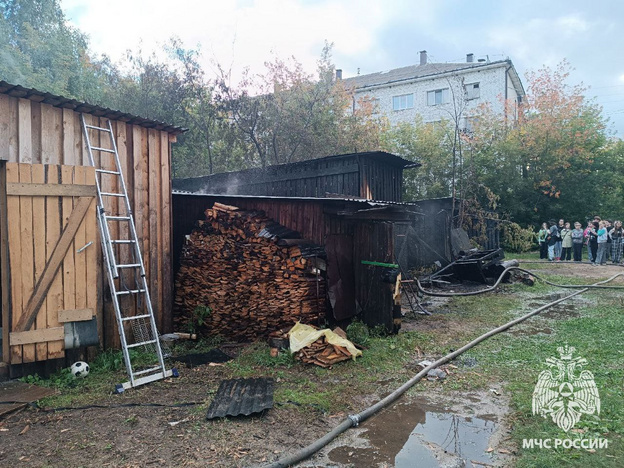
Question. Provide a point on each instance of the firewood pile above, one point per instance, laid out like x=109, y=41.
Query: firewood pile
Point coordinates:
x=254, y=275
x=323, y=354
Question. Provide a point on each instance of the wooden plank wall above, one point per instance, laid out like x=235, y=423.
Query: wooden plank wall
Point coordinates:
x=372, y=240
x=36, y=133
x=380, y=181
x=36, y=224
x=357, y=176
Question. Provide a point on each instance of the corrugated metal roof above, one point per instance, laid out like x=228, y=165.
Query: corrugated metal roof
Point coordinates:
x=272, y=197
x=242, y=397
x=77, y=106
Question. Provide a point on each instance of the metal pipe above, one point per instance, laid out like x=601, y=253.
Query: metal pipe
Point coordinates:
x=354, y=420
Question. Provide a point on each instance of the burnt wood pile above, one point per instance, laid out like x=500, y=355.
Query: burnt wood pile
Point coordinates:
x=254, y=275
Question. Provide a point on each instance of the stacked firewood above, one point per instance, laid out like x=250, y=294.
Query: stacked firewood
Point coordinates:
x=251, y=283
x=322, y=353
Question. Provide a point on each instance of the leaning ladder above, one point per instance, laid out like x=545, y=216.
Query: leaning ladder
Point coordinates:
x=124, y=264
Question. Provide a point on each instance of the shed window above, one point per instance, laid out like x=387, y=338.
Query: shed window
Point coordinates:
x=438, y=96
x=404, y=101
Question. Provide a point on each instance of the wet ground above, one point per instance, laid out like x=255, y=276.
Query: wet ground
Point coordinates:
x=469, y=433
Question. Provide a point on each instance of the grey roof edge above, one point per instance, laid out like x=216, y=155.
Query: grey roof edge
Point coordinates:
x=391, y=158
x=371, y=203
x=515, y=78
x=62, y=102
x=464, y=68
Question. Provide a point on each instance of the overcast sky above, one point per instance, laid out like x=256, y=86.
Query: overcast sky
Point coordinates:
x=376, y=35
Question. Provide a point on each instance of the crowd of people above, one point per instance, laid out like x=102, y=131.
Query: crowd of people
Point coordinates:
x=602, y=240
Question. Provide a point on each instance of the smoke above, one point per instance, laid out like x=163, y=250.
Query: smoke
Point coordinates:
x=232, y=187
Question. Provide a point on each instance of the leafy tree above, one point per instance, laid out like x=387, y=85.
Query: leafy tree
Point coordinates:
x=539, y=167
x=432, y=146
x=286, y=115
x=39, y=49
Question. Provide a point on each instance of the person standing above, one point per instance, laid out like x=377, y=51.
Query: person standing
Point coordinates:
x=592, y=244
x=577, y=242
x=617, y=241
x=608, y=227
x=601, y=253
x=543, y=243
x=586, y=236
x=558, y=244
x=566, y=243
x=553, y=235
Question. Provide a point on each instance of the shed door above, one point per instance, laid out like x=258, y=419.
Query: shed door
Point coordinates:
x=51, y=239
x=340, y=276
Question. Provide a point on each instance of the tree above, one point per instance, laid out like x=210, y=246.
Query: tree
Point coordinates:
x=286, y=115
x=539, y=166
x=39, y=49
x=432, y=146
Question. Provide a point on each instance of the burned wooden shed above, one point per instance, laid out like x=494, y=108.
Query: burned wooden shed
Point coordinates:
x=373, y=175
x=349, y=230
x=434, y=238
x=50, y=254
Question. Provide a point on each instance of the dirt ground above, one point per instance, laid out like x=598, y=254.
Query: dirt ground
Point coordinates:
x=141, y=436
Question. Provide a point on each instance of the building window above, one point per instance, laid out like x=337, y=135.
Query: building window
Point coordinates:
x=472, y=91
x=434, y=124
x=369, y=104
x=437, y=97
x=404, y=101
x=469, y=124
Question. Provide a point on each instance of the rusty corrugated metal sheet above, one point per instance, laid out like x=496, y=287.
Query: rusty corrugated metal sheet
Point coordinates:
x=77, y=106
x=242, y=397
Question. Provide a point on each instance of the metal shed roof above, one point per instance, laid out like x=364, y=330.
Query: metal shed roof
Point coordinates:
x=372, y=203
x=77, y=106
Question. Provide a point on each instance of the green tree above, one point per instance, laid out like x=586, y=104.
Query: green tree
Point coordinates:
x=39, y=49
x=540, y=167
x=286, y=115
x=432, y=146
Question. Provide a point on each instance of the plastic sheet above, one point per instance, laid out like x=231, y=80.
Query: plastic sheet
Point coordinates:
x=304, y=335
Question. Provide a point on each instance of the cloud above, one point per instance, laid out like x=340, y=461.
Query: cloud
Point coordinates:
x=372, y=35
x=237, y=34
x=542, y=40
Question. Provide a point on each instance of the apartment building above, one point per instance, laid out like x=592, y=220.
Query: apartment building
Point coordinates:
x=437, y=91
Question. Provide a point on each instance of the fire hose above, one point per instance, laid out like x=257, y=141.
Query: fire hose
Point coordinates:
x=355, y=419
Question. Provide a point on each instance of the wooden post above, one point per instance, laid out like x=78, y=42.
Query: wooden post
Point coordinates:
x=4, y=264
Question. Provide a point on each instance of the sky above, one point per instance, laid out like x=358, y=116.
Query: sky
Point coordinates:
x=375, y=35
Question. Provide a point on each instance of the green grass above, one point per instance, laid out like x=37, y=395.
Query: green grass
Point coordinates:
x=596, y=335
x=511, y=360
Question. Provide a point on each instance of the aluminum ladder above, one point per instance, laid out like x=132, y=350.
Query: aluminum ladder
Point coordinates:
x=124, y=264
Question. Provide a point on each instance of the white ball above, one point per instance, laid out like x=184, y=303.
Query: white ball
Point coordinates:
x=79, y=369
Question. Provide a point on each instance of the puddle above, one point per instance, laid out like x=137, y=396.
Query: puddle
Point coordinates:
x=408, y=435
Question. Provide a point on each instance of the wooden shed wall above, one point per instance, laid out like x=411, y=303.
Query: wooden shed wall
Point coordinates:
x=380, y=181
x=353, y=176
x=37, y=133
x=370, y=240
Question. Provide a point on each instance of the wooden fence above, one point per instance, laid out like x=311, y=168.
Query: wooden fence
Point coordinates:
x=49, y=257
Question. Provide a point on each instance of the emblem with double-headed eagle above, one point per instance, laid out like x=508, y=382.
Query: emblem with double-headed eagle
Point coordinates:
x=566, y=392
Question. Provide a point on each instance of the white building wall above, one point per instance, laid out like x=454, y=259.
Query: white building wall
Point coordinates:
x=492, y=88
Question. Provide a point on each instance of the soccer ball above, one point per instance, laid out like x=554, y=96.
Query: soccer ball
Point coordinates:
x=79, y=369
